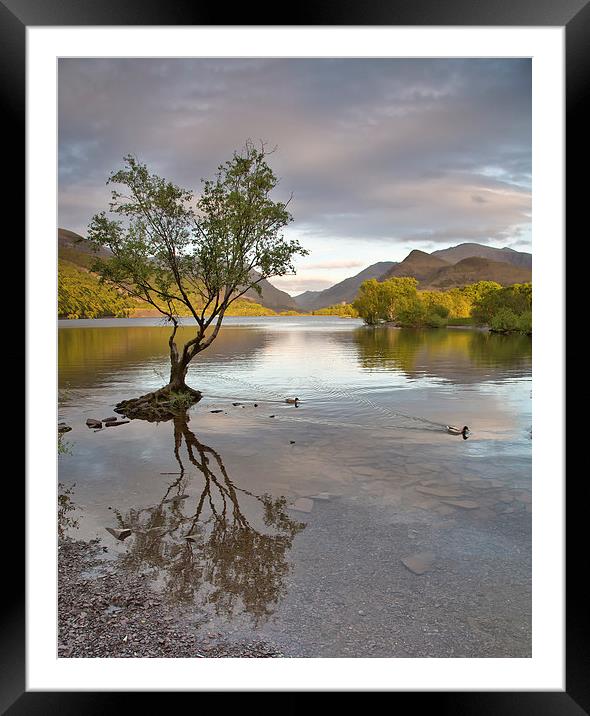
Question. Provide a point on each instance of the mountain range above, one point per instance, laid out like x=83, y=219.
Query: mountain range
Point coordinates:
x=446, y=268
x=466, y=251
x=343, y=290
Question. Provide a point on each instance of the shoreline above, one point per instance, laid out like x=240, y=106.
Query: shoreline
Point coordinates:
x=105, y=611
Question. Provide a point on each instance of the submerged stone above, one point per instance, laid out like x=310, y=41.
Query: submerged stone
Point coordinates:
x=94, y=423
x=419, y=563
x=120, y=534
x=112, y=423
x=441, y=491
x=463, y=504
x=303, y=504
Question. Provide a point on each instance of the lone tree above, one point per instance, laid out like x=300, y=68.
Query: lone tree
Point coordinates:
x=198, y=261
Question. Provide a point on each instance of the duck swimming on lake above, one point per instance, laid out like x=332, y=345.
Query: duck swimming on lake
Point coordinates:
x=464, y=431
x=292, y=401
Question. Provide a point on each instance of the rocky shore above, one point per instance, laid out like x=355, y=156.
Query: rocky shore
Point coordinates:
x=105, y=612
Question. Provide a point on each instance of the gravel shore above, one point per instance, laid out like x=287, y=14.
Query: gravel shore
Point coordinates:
x=104, y=612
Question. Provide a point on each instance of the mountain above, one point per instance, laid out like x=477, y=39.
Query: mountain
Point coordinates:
x=307, y=298
x=418, y=264
x=454, y=254
x=344, y=290
x=77, y=250
x=435, y=272
x=271, y=297
x=475, y=269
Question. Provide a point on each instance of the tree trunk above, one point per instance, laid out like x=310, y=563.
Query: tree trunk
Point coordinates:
x=178, y=372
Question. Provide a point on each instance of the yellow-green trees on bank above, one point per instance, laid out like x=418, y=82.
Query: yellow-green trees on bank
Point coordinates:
x=344, y=310
x=394, y=300
x=506, y=310
x=399, y=301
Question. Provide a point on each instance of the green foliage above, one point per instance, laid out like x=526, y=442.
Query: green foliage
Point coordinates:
x=179, y=402
x=476, y=291
x=506, y=309
x=243, y=307
x=200, y=260
x=392, y=300
x=81, y=295
x=370, y=302
x=398, y=300
x=345, y=310
x=435, y=320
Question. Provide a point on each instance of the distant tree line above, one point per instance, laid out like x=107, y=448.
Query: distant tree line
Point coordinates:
x=398, y=300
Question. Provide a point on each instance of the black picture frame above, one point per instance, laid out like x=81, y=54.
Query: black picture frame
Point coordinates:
x=574, y=15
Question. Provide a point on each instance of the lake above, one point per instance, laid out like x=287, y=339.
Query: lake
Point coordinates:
x=351, y=525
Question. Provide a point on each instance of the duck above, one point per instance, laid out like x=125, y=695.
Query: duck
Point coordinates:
x=292, y=401
x=464, y=431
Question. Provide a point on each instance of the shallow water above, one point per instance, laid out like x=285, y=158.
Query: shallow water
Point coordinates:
x=366, y=452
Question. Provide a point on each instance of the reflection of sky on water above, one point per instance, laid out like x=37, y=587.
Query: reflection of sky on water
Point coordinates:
x=353, y=436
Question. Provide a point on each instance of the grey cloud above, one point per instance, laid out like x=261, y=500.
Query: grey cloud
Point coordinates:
x=395, y=150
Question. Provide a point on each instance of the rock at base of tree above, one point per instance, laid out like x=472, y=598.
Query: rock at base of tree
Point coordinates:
x=63, y=428
x=111, y=423
x=93, y=423
x=119, y=534
x=159, y=406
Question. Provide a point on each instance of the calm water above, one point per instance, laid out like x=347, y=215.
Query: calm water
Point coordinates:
x=299, y=522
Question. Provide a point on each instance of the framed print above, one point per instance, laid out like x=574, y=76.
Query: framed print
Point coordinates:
x=279, y=304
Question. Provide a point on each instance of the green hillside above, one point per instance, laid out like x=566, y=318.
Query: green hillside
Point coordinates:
x=81, y=295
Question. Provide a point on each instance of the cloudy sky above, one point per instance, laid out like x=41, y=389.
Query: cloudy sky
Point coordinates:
x=382, y=155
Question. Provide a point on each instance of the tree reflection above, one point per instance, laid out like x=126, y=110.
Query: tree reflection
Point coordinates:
x=451, y=354
x=65, y=506
x=205, y=547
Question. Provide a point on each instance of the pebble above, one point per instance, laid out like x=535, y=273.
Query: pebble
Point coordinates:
x=419, y=563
